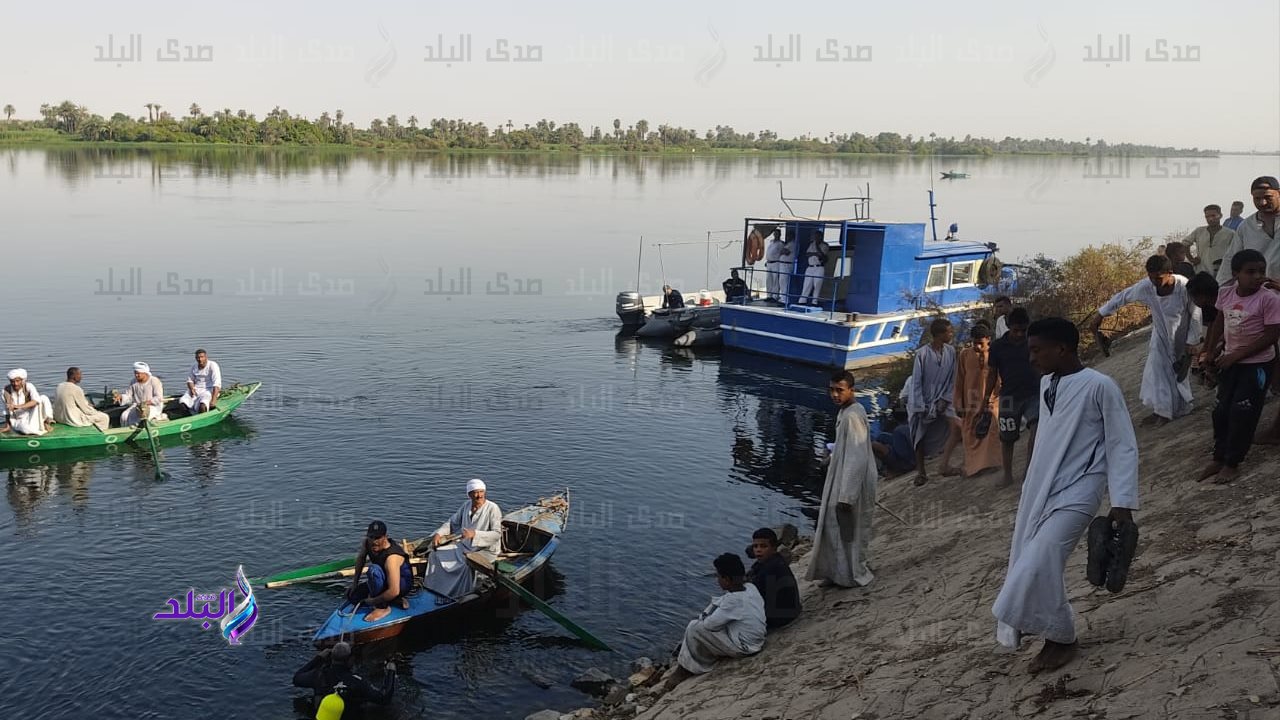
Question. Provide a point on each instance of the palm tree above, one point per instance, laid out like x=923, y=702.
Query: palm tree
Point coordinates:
x=337, y=117
x=195, y=110
x=8, y=113
x=617, y=127
x=413, y=123
x=158, y=117
x=150, y=116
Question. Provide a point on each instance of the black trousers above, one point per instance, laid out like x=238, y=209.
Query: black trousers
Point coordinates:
x=1242, y=388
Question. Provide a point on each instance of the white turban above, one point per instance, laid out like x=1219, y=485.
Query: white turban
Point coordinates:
x=475, y=484
x=17, y=373
x=142, y=368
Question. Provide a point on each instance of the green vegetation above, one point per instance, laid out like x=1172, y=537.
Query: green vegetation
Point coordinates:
x=74, y=122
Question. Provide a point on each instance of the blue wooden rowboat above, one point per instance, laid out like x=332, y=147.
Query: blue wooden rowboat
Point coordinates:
x=530, y=536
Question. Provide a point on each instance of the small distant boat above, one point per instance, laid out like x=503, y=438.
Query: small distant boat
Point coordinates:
x=954, y=175
x=530, y=535
x=64, y=437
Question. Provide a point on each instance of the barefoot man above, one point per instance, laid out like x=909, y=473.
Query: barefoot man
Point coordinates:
x=1086, y=446
x=1249, y=319
x=848, y=496
x=390, y=577
x=1175, y=327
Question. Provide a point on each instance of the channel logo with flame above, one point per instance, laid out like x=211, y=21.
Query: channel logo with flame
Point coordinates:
x=241, y=620
x=234, y=620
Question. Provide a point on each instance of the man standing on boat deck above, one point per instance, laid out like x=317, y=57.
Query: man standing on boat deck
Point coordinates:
x=778, y=257
x=815, y=270
x=204, y=384
x=71, y=407
x=145, y=395
x=479, y=524
x=390, y=577
x=1258, y=231
x=28, y=412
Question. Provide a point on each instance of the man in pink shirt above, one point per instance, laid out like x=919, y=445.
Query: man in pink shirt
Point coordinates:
x=1249, y=318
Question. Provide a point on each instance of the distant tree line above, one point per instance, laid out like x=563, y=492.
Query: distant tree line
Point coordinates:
x=280, y=127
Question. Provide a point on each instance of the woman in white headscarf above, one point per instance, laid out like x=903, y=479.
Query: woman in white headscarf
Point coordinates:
x=28, y=412
x=478, y=523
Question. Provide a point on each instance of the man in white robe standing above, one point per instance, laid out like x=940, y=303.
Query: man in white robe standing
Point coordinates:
x=479, y=523
x=71, y=407
x=204, y=384
x=1175, y=327
x=144, y=398
x=1085, y=447
x=848, y=496
x=28, y=412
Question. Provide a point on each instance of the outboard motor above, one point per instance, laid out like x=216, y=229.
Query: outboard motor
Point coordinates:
x=630, y=308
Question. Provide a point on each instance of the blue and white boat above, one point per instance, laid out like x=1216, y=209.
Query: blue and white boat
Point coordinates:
x=882, y=283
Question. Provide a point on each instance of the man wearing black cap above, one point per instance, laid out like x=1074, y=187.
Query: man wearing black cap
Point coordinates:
x=390, y=577
x=1258, y=231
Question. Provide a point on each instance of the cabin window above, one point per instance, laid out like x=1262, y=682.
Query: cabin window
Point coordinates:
x=937, y=278
x=964, y=274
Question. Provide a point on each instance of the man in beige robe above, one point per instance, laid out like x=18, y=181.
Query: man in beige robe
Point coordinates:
x=848, y=496
x=144, y=398
x=71, y=407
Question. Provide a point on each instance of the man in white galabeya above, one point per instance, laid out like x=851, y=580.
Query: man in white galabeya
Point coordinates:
x=204, y=384
x=1085, y=447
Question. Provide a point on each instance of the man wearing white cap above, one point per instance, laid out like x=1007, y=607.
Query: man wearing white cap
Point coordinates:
x=145, y=392
x=479, y=523
x=28, y=412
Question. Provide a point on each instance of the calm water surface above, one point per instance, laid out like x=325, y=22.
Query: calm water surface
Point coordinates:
x=318, y=275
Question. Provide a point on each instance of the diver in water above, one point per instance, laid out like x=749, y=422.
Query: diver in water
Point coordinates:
x=336, y=686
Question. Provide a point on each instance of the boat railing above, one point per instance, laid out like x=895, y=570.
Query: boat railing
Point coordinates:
x=747, y=272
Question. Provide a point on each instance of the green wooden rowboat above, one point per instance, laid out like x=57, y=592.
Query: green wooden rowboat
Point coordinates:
x=64, y=437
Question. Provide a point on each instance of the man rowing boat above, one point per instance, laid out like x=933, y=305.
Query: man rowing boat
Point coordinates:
x=390, y=577
x=144, y=398
x=479, y=522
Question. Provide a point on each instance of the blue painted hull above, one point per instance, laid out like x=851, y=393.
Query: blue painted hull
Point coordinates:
x=826, y=341
x=423, y=607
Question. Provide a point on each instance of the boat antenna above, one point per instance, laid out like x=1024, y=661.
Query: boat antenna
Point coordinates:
x=822, y=201
x=933, y=219
x=639, y=255
x=706, y=279
x=662, y=269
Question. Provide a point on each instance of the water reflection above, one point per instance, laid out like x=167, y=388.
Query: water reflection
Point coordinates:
x=29, y=486
x=781, y=417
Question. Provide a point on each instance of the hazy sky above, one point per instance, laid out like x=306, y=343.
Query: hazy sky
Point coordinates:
x=993, y=69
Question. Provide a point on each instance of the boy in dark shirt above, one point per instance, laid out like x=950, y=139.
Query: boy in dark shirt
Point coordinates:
x=1177, y=254
x=1010, y=369
x=773, y=578
x=1203, y=289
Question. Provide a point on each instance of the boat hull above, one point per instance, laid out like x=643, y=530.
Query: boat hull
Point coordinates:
x=826, y=341
x=547, y=518
x=64, y=437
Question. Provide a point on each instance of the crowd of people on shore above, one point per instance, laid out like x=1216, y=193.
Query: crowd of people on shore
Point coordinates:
x=1215, y=315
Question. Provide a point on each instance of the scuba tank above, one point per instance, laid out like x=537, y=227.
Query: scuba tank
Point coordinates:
x=332, y=705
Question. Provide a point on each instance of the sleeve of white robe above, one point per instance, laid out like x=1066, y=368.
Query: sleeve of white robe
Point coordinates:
x=456, y=520
x=1121, y=447
x=1132, y=294
x=730, y=608
x=215, y=376
x=1195, y=325
x=1224, y=270
x=915, y=395
x=851, y=456
x=489, y=527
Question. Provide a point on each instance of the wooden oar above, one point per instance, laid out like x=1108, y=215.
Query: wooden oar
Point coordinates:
x=155, y=454
x=345, y=572
x=480, y=562
x=325, y=571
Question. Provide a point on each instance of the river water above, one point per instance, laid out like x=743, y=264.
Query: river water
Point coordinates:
x=416, y=322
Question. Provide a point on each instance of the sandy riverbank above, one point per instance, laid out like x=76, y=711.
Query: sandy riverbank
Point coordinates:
x=1195, y=634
